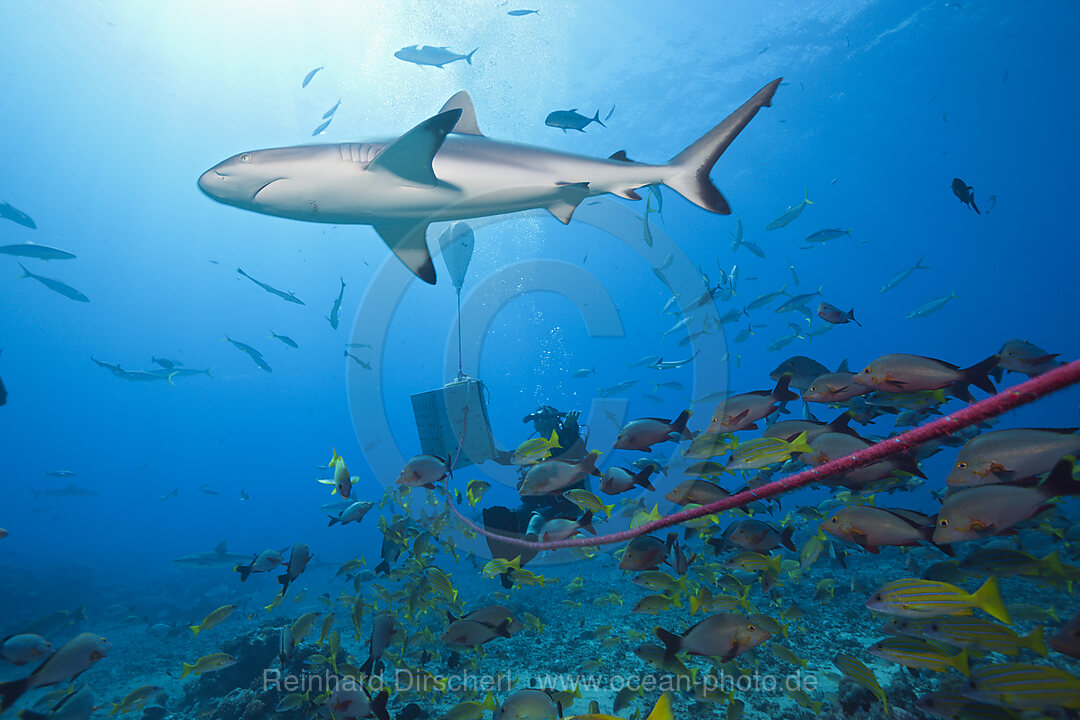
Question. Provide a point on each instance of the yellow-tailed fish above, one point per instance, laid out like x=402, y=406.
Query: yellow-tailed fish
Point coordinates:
x=135, y=700
x=533, y=451
x=1018, y=685
x=496, y=567
x=978, y=634
x=762, y=452
x=862, y=675
x=660, y=711
x=208, y=663
x=214, y=618
x=920, y=654
x=588, y=501
x=913, y=597
x=475, y=490
x=471, y=709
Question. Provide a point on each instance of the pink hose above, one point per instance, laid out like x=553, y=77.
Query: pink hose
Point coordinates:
x=1022, y=394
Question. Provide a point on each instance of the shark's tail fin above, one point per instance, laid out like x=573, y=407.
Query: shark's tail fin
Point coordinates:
x=690, y=169
x=468, y=59
x=596, y=119
x=26, y=273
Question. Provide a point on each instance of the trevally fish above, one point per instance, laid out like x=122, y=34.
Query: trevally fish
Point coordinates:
x=931, y=307
x=791, y=213
x=763, y=300
x=308, y=78
x=573, y=120
x=287, y=296
x=251, y=352
x=436, y=56
x=827, y=234
x=335, y=312
x=737, y=240
x=175, y=372
x=902, y=276
x=55, y=285
x=661, y=364
x=358, y=361
x=15, y=215
x=38, y=252
x=285, y=339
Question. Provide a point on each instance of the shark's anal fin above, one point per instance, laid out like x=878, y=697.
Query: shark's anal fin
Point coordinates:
x=408, y=240
x=570, y=196
x=466, y=124
x=409, y=157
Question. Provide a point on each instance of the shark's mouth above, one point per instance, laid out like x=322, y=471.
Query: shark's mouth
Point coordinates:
x=255, y=197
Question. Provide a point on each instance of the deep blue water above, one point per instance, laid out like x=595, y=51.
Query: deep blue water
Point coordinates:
x=112, y=110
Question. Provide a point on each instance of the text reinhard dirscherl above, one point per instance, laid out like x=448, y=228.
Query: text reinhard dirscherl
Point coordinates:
x=419, y=681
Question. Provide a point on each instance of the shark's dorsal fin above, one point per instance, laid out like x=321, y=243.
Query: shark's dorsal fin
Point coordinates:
x=409, y=157
x=466, y=124
x=570, y=196
x=221, y=549
x=408, y=240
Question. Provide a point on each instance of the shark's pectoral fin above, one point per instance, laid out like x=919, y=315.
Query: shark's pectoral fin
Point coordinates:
x=408, y=240
x=409, y=157
x=466, y=124
x=570, y=196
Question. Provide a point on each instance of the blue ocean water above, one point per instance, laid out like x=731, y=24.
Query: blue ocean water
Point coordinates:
x=112, y=110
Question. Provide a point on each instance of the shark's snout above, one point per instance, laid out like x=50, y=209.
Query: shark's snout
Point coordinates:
x=210, y=182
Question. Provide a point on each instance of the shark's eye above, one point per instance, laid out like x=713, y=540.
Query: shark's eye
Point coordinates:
x=943, y=522
x=868, y=370
x=245, y=158
x=813, y=388
x=961, y=465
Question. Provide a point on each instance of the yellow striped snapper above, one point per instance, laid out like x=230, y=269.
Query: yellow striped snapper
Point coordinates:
x=918, y=598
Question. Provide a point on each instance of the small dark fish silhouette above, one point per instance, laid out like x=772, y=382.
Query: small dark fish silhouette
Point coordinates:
x=309, y=76
x=411, y=711
x=965, y=192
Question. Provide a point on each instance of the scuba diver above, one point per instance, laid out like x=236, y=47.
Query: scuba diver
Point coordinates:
x=547, y=420
x=527, y=519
